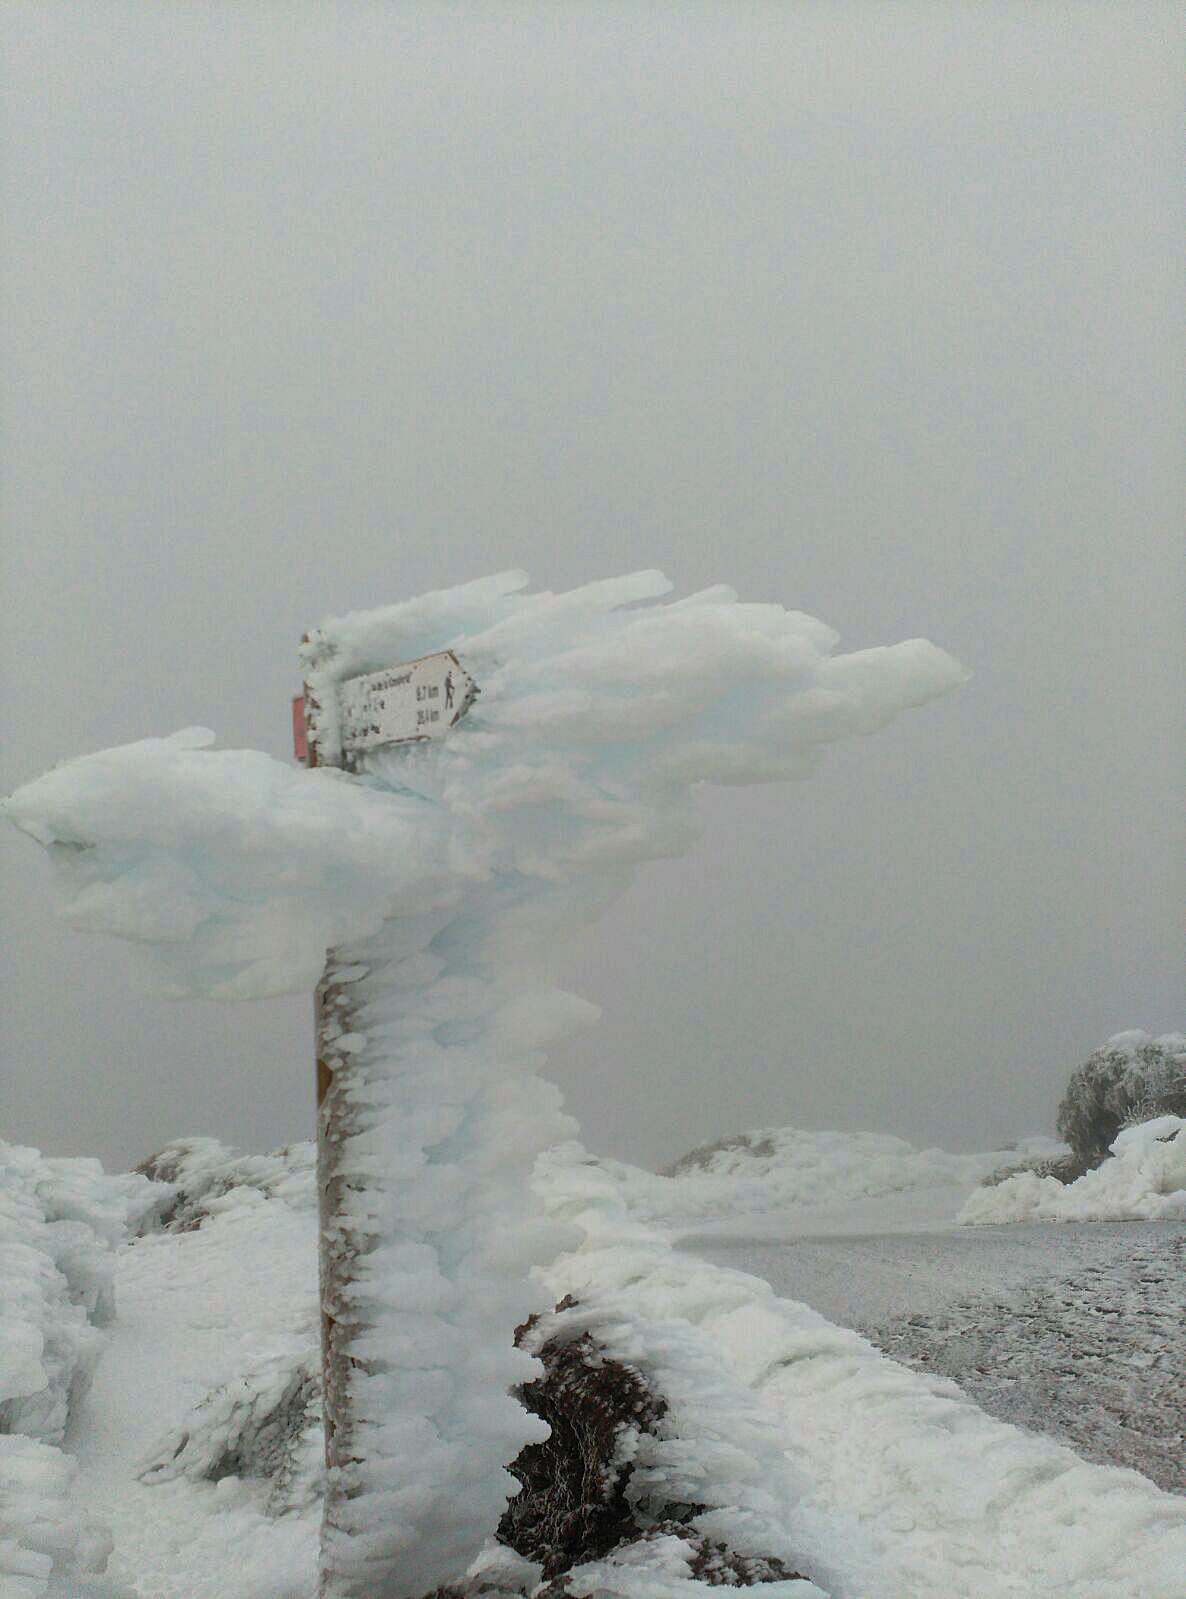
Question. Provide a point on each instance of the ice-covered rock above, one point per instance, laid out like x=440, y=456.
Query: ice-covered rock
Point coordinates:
x=264, y=1423
x=197, y=1173
x=616, y=1474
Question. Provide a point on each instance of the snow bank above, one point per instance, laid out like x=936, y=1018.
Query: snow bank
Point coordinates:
x=779, y=1168
x=45, y=1542
x=1144, y=1178
x=910, y=1488
x=441, y=875
x=59, y=1223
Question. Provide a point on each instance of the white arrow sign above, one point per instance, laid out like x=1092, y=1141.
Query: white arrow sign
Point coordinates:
x=417, y=699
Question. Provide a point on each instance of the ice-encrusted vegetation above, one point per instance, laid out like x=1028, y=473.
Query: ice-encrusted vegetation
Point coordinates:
x=201, y=1172
x=1123, y=1116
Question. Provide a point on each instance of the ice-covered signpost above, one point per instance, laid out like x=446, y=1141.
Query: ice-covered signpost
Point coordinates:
x=398, y=707
x=441, y=872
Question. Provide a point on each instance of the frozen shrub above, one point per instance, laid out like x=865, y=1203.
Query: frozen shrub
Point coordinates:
x=1067, y=1168
x=572, y=1500
x=202, y=1171
x=577, y=1503
x=1130, y=1079
x=266, y=1423
x=761, y=1145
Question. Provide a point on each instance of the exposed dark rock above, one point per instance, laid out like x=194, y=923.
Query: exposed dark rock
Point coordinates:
x=474, y=1590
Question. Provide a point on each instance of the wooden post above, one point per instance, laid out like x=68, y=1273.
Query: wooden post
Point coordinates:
x=329, y=1002
x=409, y=703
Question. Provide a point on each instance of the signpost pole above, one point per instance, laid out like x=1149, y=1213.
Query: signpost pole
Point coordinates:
x=329, y=1003
x=406, y=704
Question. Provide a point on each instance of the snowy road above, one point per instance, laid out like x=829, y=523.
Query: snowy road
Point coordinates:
x=909, y=1264
x=1071, y=1330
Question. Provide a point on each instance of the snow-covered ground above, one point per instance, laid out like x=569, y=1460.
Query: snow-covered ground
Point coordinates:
x=1092, y=1353
x=799, y=1436
x=944, y=1500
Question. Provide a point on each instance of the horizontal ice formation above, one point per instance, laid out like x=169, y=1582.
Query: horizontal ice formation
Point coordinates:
x=598, y=711
x=780, y=1168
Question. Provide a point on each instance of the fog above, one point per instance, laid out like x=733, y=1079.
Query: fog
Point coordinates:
x=872, y=311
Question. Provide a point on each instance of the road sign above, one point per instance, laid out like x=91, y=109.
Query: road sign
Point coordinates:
x=418, y=699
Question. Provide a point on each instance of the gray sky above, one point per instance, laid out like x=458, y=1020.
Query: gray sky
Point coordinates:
x=875, y=311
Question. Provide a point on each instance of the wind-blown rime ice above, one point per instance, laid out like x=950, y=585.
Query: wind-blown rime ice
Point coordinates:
x=441, y=874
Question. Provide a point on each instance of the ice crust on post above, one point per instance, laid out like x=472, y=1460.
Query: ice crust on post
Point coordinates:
x=441, y=875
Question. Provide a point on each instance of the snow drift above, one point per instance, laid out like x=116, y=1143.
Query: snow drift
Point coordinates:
x=1144, y=1179
x=781, y=1168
